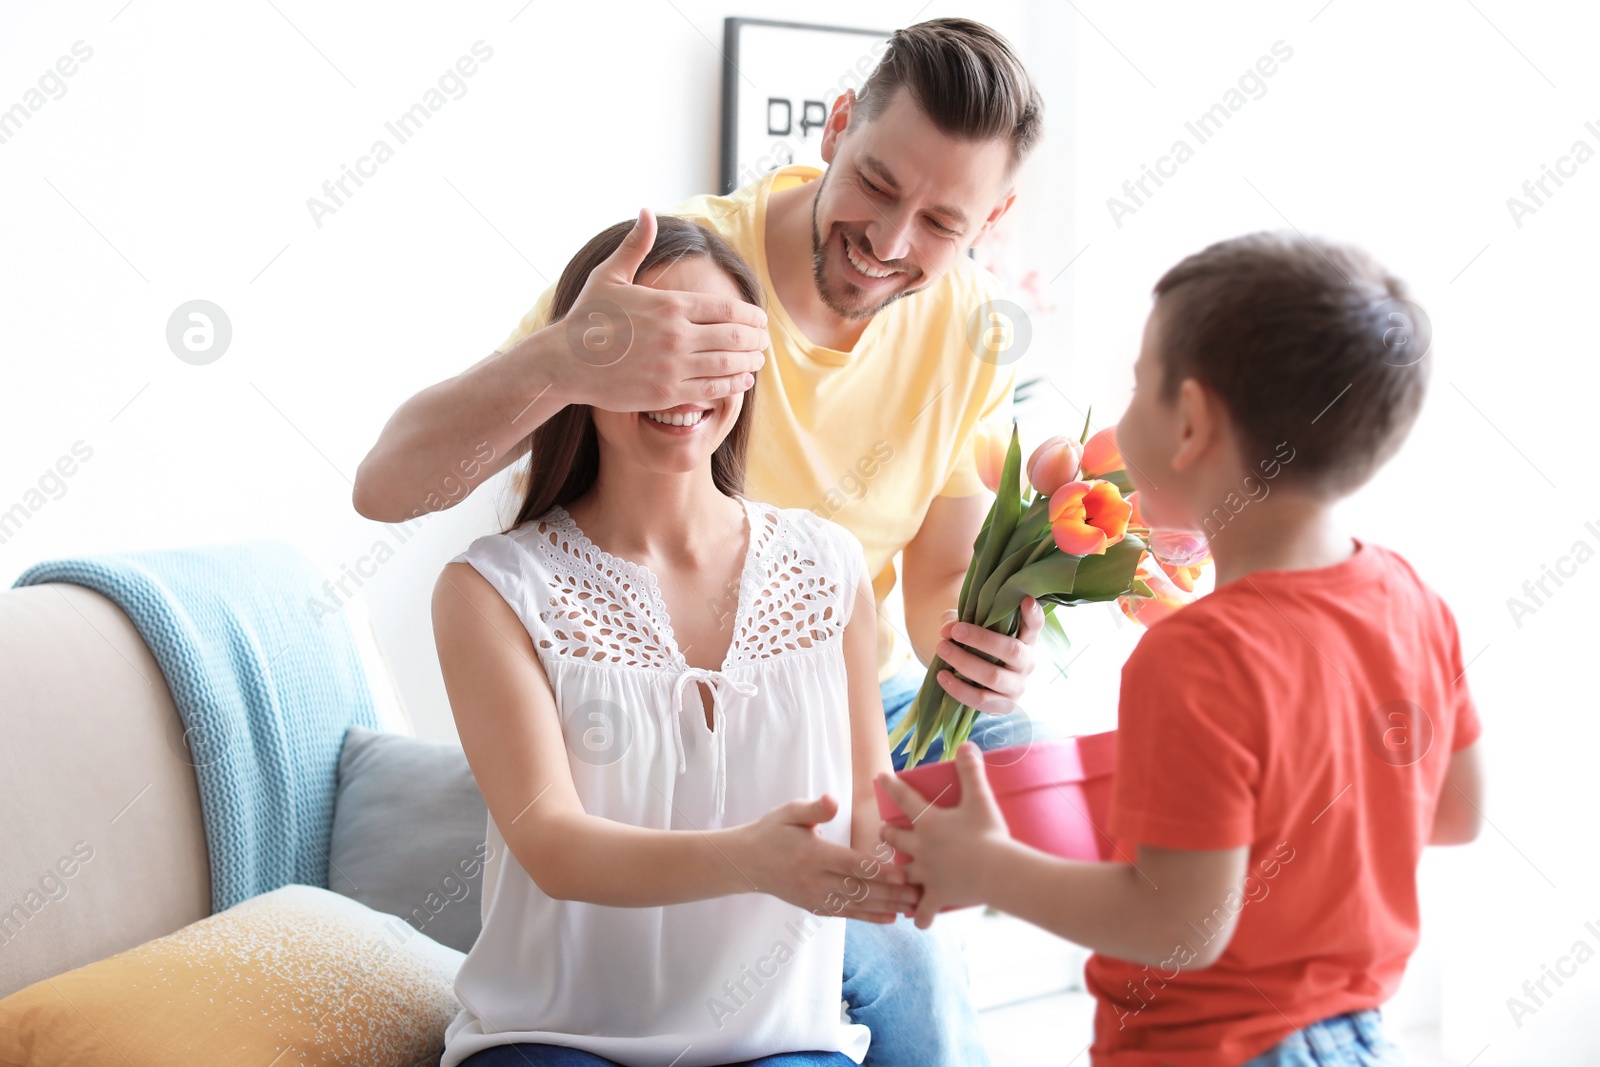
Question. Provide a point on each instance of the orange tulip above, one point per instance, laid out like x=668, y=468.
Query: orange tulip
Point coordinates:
x=989, y=442
x=1136, y=521
x=1086, y=518
x=1054, y=464
x=1183, y=576
x=1169, y=597
x=1101, y=454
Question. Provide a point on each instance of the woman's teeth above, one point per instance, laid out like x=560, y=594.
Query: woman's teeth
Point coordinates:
x=676, y=418
x=862, y=267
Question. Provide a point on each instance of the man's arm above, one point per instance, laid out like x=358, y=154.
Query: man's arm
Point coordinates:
x=448, y=439
x=935, y=564
x=676, y=347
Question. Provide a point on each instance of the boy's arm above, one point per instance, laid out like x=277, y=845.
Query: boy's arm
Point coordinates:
x=1459, y=816
x=1140, y=912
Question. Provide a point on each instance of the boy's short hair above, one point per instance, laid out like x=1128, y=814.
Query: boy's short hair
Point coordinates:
x=1305, y=341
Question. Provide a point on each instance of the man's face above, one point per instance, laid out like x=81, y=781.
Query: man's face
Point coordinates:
x=899, y=203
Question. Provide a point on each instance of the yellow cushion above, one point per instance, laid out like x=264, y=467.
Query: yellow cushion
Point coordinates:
x=301, y=974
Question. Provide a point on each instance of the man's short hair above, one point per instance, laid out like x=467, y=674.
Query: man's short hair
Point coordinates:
x=966, y=79
x=1305, y=341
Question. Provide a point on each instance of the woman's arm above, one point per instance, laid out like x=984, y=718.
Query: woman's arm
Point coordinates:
x=510, y=729
x=869, y=736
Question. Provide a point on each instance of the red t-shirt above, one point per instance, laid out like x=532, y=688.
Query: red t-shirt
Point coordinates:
x=1310, y=715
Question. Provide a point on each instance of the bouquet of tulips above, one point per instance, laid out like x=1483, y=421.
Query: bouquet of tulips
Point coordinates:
x=1077, y=538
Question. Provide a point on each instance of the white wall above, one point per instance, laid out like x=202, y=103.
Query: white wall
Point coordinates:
x=177, y=166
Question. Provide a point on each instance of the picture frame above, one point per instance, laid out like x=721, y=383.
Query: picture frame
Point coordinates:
x=779, y=82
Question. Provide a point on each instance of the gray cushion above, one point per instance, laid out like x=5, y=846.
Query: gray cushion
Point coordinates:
x=408, y=835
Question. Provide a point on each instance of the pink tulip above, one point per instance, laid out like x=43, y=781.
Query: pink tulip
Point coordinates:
x=1101, y=455
x=989, y=443
x=1054, y=464
x=1180, y=548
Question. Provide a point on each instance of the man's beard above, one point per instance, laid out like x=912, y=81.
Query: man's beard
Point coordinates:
x=819, y=261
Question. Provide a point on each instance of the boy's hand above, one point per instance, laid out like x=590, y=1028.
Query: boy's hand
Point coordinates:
x=948, y=846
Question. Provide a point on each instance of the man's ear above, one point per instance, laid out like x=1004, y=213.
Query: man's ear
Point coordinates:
x=838, y=120
x=1199, y=414
x=995, y=216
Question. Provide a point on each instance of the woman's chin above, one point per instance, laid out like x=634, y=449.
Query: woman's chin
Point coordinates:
x=683, y=458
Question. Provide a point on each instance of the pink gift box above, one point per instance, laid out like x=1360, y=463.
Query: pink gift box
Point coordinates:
x=1055, y=795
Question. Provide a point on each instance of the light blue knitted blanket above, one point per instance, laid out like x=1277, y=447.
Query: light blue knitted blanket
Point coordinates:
x=265, y=688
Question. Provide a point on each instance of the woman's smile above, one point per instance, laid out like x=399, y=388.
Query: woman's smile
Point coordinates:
x=681, y=420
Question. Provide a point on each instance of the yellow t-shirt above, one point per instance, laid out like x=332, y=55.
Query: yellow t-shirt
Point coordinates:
x=866, y=438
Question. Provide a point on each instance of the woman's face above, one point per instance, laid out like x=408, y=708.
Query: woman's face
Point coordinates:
x=679, y=439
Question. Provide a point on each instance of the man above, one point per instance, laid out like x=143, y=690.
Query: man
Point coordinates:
x=877, y=326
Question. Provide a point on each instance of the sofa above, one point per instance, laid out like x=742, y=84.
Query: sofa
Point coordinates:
x=103, y=843
x=105, y=876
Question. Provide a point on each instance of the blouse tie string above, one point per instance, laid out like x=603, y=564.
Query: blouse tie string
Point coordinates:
x=717, y=682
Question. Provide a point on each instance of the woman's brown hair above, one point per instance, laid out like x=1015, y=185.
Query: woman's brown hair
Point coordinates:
x=564, y=453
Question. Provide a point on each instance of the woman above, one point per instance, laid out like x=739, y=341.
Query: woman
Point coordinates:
x=668, y=696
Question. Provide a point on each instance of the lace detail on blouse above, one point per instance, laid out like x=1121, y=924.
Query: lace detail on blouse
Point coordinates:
x=798, y=603
x=603, y=609
x=600, y=609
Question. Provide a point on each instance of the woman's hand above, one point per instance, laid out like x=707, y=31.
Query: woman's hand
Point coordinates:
x=949, y=849
x=782, y=853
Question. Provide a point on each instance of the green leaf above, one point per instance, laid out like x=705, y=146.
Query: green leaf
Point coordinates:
x=1009, y=566
x=1033, y=523
x=1053, y=574
x=966, y=583
x=1002, y=517
x=928, y=700
x=1108, y=576
x=945, y=710
x=1119, y=479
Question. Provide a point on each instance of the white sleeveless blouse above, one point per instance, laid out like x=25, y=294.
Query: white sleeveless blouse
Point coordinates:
x=687, y=985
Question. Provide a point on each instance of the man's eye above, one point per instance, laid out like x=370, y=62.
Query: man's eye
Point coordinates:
x=873, y=188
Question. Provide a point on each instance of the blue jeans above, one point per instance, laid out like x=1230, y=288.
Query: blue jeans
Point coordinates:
x=560, y=1056
x=1354, y=1039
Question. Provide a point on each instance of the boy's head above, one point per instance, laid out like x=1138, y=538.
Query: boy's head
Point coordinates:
x=1271, y=357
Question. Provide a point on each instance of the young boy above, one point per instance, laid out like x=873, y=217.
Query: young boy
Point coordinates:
x=1287, y=744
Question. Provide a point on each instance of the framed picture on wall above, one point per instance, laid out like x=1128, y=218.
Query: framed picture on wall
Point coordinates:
x=779, y=82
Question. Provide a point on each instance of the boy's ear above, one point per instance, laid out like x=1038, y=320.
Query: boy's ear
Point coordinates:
x=1199, y=412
